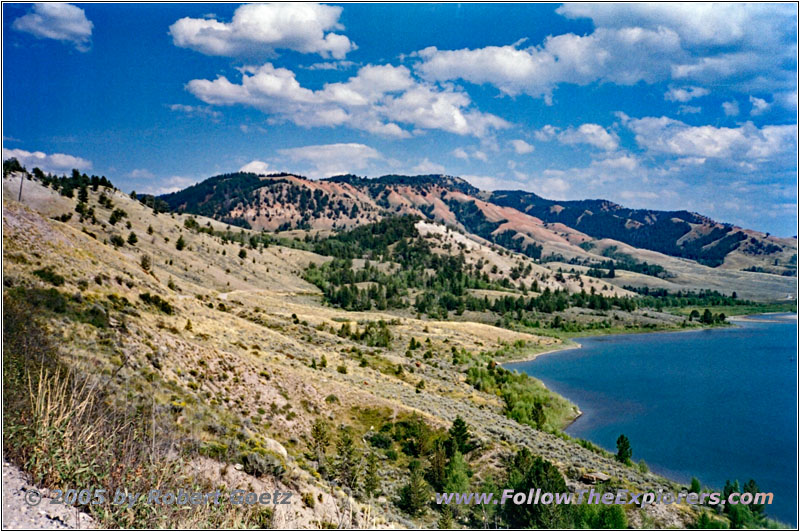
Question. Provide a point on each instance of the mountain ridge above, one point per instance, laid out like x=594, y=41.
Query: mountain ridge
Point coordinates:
x=519, y=220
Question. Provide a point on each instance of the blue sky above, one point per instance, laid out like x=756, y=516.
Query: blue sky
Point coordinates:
x=664, y=106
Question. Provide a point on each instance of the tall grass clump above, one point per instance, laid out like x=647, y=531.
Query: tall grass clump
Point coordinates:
x=65, y=430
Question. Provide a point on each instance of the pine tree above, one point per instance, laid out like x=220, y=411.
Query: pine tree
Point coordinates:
x=347, y=464
x=438, y=466
x=445, y=521
x=371, y=481
x=180, y=244
x=132, y=238
x=415, y=495
x=320, y=438
x=624, y=451
x=460, y=436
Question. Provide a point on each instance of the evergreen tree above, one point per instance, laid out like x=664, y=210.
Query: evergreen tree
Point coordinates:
x=347, y=463
x=132, y=238
x=320, y=438
x=371, y=481
x=415, y=495
x=526, y=472
x=445, y=521
x=460, y=436
x=624, y=451
x=438, y=466
x=751, y=487
x=180, y=244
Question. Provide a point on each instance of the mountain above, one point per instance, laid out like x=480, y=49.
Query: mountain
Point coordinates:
x=521, y=221
x=677, y=233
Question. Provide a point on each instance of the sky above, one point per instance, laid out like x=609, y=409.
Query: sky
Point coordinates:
x=664, y=106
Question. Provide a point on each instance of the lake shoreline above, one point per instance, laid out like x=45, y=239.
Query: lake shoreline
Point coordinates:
x=734, y=323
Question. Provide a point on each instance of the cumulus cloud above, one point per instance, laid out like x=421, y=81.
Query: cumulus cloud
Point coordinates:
x=685, y=94
x=745, y=44
x=551, y=187
x=639, y=55
x=62, y=22
x=260, y=29
x=377, y=99
x=521, y=147
x=731, y=108
x=461, y=153
x=52, y=163
x=256, y=167
x=672, y=137
x=760, y=106
x=333, y=159
x=426, y=166
x=592, y=134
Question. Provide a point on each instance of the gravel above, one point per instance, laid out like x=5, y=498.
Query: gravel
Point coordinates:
x=18, y=515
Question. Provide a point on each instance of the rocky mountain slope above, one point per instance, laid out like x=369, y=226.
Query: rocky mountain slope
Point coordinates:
x=520, y=221
x=224, y=343
x=652, y=249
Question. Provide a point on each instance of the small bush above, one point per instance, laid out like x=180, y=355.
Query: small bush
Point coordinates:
x=48, y=275
x=156, y=301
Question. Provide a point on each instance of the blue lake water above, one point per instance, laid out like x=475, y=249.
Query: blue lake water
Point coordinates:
x=717, y=404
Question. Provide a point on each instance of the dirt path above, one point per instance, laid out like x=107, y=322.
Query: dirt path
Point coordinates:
x=18, y=515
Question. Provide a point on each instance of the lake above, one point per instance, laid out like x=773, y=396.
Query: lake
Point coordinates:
x=716, y=404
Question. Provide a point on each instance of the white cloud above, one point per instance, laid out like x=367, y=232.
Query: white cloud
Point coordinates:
x=617, y=162
x=551, y=187
x=169, y=184
x=256, y=167
x=521, y=147
x=685, y=94
x=62, y=22
x=52, y=163
x=333, y=159
x=195, y=110
x=375, y=100
x=331, y=65
x=747, y=142
x=460, y=153
x=260, y=29
x=426, y=166
x=689, y=109
x=592, y=134
x=141, y=173
x=760, y=106
x=731, y=108
x=743, y=44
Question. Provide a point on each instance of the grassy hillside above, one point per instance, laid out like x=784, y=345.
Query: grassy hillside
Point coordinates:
x=217, y=355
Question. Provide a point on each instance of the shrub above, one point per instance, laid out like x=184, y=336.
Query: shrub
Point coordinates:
x=117, y=241
x=263, y=463
x=48, y=275
x=146, y=262
x=156, y=301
